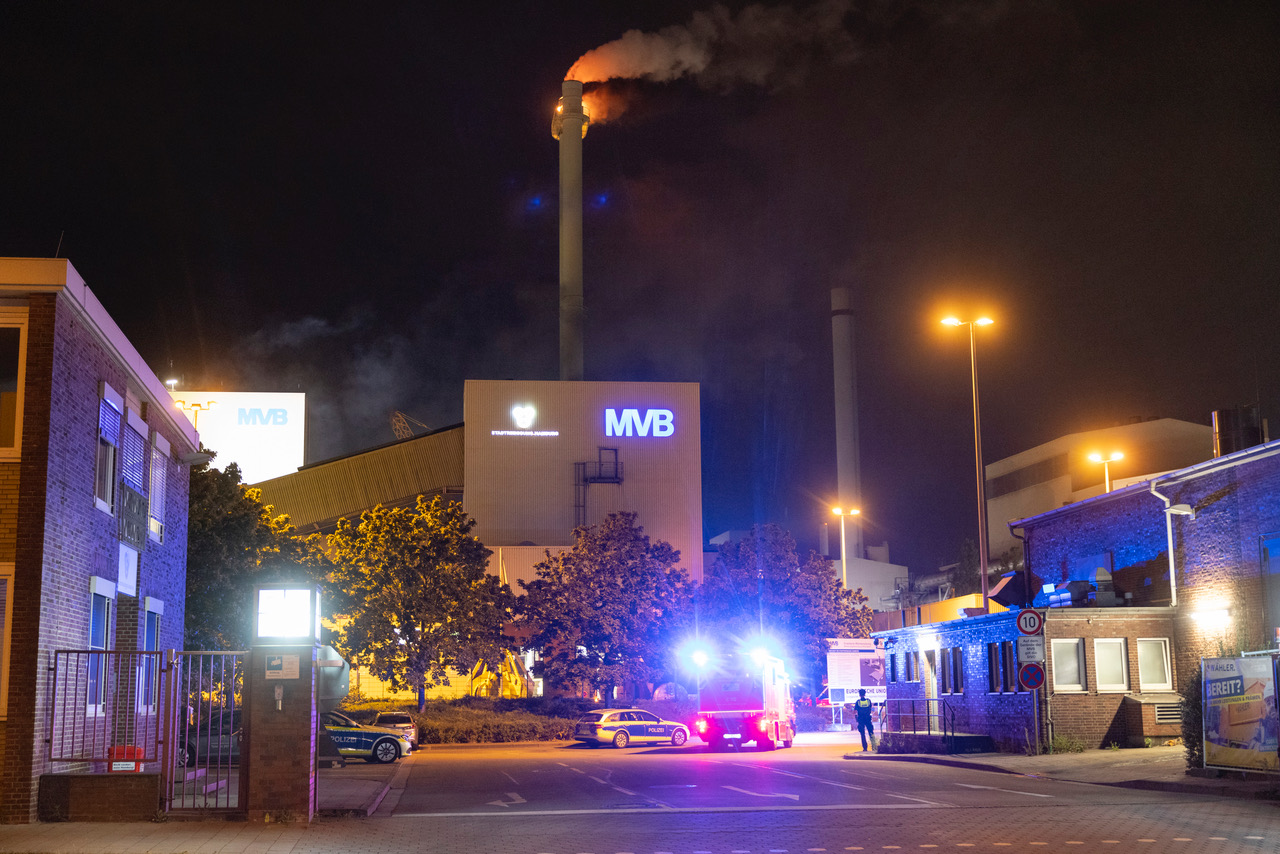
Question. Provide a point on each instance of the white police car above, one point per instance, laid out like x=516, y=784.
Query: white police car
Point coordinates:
x=371, y=743
x=621, y=727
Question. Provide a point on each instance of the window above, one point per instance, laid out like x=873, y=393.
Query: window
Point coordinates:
x=911, y=666
x=1009, y=666
x=6, y=620
x=892, y=661
x=101, y=592
x=957, y=670
x=159, y=479
x=994, y=672
x=1068, y=664
x=150, y=663
x=110, y=408
x=1111, y=664
x=944, y=671
x=133, y=457
x=13, y=363
x=1153, y=665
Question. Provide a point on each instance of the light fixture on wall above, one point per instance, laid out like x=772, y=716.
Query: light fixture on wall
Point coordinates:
x=1212, y=618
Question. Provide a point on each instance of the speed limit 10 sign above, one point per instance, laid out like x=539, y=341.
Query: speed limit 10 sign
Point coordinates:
x=1030, y=621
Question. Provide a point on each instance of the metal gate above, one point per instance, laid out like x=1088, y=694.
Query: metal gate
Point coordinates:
x=202, y=771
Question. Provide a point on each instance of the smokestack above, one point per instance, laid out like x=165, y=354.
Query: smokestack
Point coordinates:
x=848, y=468
x=569, y=126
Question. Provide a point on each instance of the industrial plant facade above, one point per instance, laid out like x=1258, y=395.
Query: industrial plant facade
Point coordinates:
x=93, y=512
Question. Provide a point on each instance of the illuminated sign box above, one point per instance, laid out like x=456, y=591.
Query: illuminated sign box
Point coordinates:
x=286, y=615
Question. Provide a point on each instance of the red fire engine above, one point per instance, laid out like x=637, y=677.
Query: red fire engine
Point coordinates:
x=745, y=697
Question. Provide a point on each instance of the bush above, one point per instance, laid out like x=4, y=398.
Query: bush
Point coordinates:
x=1063, y=743
x=1193, y=720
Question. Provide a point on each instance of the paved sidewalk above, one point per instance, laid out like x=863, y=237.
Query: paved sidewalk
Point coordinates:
x=1154, y=768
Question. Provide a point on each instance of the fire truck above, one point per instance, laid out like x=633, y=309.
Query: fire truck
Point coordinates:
x=746, y=698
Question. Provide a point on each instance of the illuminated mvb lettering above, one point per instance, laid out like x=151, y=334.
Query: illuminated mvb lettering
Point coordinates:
x=656, y=422
x=274, y=417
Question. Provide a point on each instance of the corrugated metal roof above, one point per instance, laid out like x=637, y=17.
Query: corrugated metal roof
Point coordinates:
x=317, y=496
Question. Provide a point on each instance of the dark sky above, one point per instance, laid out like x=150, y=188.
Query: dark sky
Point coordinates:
x=358, y=201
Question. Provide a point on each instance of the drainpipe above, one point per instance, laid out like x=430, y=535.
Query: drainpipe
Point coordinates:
x=1026, y=565
x=1169, y=509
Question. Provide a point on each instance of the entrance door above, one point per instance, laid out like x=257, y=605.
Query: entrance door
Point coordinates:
x=204, y=731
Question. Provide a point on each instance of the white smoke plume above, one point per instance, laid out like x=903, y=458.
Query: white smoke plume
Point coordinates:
x=771, y=47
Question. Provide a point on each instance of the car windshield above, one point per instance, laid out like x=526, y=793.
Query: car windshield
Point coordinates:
x=394, y=719
x=335, y=719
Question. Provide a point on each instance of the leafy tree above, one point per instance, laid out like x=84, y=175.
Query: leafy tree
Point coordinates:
x=605, y=612
x=758, y=585
x=413, y=585
x=234, y=542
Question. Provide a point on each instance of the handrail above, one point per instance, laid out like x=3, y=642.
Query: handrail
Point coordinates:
x=926, y=710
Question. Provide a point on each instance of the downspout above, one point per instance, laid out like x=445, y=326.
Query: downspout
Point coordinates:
x=1168, y=530
x=1026, y=565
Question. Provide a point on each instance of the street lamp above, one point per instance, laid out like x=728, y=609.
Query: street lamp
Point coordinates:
x=1106, y=465
x=977, y=447
x=197, y=408
x=844, y=552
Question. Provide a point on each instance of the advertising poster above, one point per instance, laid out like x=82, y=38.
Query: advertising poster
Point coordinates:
x=1241, y=728
x=851, y=666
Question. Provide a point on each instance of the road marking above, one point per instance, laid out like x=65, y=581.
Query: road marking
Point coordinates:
x=689, y=810
x=624, y=791
x=509, y=777
x=515, y=799
x=1010, y=791
x=762, y=794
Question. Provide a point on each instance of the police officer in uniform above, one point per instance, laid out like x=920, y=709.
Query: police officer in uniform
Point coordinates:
x=862, y=708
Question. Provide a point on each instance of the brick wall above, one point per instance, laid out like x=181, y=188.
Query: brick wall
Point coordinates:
x=62, y=538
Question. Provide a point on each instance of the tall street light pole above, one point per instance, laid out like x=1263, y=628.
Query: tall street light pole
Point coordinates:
x=1106, y=465
x=977, y=447
x=842, y=512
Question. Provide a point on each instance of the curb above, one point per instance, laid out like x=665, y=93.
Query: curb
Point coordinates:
x=1254, y=792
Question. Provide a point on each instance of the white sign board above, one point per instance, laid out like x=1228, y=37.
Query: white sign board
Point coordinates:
x=283, y=666
x=1031, y=649
x=851, y=669
x=264, y=433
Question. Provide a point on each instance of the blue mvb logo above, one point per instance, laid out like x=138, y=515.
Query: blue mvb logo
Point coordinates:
x=655, y=422
x=264, y=417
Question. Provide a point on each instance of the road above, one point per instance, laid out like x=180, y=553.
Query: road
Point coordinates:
x=554, y=799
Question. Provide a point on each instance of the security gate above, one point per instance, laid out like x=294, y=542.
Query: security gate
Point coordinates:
x=202, y=771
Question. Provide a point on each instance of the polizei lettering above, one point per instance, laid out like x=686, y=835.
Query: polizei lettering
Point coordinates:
x=272, y=417
x=655, y=422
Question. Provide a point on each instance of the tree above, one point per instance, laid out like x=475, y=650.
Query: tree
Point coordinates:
x=233, y=543
x=758, y=586
x=604, y=613
x=413, y=585
x=966, y=578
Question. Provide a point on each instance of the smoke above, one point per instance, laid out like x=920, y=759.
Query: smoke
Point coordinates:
x=770, y=47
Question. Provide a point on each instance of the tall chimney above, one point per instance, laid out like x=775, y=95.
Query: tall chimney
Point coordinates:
x=569, y=126
x=848, y=468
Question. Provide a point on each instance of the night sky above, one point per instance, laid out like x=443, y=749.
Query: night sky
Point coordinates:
x=358, y=201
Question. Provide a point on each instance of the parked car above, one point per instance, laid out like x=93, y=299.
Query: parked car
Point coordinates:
x=621, y=727
x=402, y=721
x=213, y=739
x=371, y=743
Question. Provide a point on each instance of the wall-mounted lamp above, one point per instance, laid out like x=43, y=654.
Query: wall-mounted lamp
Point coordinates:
x=1212, y=619
x=1183, y=510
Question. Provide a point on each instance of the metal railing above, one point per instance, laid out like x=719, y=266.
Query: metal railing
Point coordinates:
x=105, y=706
x=203, y=771
x=930, y=717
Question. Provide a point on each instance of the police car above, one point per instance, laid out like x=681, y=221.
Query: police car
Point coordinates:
x=371, y=743
x=621, y=727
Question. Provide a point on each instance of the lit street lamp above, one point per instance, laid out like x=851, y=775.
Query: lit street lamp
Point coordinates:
x=844, y=552
x=977, y=447
x=197, y=408
x=1106, y=465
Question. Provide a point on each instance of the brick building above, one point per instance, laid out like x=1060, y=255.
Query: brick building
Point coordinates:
x=93, y=504
x=1120, y=637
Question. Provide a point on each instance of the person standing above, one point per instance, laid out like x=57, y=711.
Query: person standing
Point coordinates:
x=862, y=708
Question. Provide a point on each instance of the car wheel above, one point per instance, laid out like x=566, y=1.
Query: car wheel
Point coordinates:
x=385, y=751
x=679, y=738
x=715, y=745
x=186, y=756
x=764, y=743
x=621, y=740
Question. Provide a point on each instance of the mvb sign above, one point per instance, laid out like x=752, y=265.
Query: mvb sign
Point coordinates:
x=271, y=417
x=654, y=422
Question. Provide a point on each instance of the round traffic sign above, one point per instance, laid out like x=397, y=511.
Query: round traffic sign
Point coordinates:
x=1030, y=621
x=1031, y=676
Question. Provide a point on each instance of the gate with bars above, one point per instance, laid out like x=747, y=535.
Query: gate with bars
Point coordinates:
x=176, y=712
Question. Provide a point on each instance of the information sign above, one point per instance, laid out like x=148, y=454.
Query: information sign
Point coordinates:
x=1030, y=649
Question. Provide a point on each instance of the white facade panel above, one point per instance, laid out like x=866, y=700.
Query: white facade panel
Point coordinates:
x=524, y=439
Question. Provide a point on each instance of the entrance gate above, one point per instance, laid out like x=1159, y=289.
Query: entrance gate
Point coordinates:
x=202, y=771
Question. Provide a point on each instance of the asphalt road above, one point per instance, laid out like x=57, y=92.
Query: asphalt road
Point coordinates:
x=549, y=799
